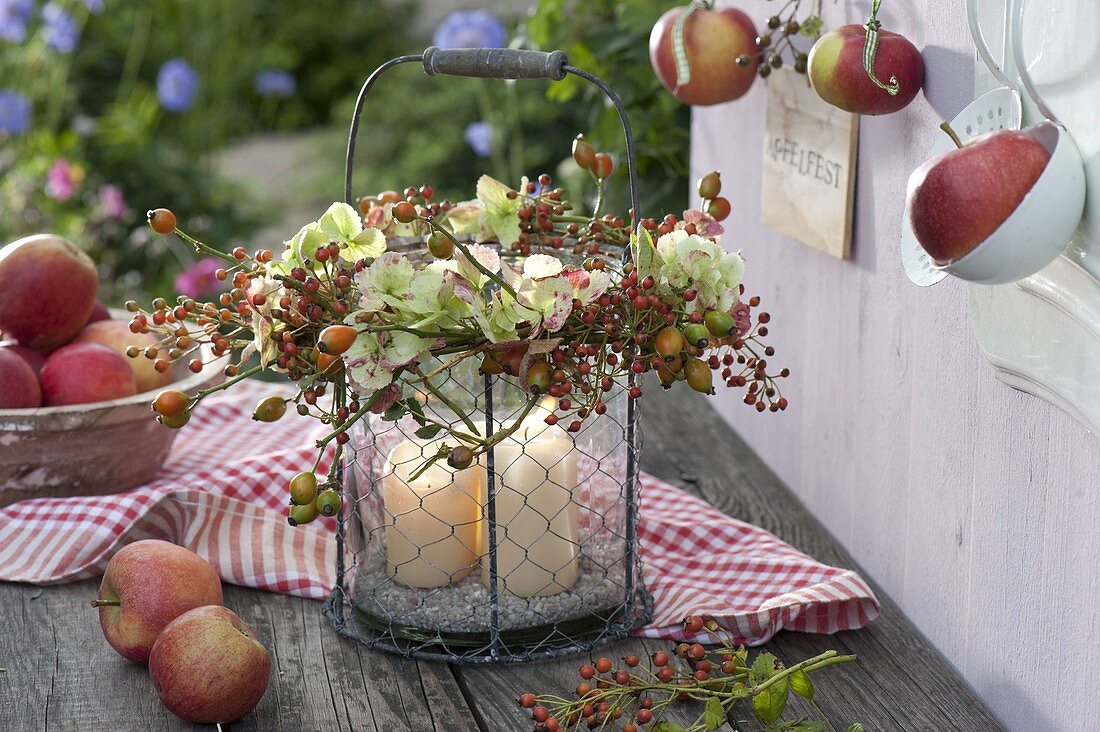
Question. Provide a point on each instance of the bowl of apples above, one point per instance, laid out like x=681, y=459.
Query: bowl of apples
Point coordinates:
x=75, y=382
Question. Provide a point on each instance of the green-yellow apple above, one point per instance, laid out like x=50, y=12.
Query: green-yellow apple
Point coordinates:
x=82, y=373
x=958, y=199
x=837, y=74
x=713, y=39
x=18, y=385
x=208, y=667
x=147, y=585
x=117, y=336
x=47, y=291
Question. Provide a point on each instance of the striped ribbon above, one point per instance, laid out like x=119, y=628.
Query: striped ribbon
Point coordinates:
x=870, y=48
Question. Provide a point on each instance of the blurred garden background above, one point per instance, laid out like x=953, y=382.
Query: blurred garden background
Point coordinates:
x=234, y=114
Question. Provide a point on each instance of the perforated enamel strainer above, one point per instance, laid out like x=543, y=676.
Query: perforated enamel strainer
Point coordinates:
x=996, y=109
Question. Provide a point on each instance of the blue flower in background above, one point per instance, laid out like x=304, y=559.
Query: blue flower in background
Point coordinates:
x=13, y=19
x=479, y=136
x=94, y=6
x=15, y=112
x=59, y=29
x=470, y=29
x=274, y=83
x=177, y=84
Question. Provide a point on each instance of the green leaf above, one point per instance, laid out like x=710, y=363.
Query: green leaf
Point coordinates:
x=801, y=684
x=415, y=410
x=770, y=703
x=666, y=726
x=395, y=412
x=644, y=253
x=428, y=431
x=806, y=725
x=763, y=668
x=811, y=26
x=714, y=715
x=857, y=727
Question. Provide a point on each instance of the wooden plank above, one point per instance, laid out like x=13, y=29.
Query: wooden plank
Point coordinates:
x=61, y=674
x=921, y=689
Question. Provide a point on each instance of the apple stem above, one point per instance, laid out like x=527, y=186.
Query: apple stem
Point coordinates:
x=102, y=603
x=946, y=127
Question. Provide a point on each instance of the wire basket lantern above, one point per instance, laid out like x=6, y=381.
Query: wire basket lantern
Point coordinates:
x=531, y=551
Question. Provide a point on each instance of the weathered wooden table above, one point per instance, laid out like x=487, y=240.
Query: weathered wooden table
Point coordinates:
x=61, y=675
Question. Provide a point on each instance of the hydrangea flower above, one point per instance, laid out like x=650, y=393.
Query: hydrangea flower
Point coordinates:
x=470, y=29
x=15, y=112
x=385, y=282
x=479, y=136
x=696, y=261
x=61, y=180
x=274, y=83
x=264, y=327
x=499, y=215
x=59, y=29
x=13, y=19
x=373, y=357
x=198, y=279
x=177, y=84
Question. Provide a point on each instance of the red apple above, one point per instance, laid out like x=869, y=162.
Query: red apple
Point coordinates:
x=48, y=290
x=837, y=74
x=33, y=358
x=207, y=666
x=18, y=385
x=713, y=39
x=99, y=312
x=82, y=373
x=117, y=336
x=147, y=585
x=958, y=199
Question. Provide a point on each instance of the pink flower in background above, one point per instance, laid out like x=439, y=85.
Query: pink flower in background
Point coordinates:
x=742, y=318
x=198, y=279
x=112, y=201
x=60, y=181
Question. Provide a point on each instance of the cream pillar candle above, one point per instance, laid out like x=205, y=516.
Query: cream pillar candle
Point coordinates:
x=431, y=521
x=538, y=543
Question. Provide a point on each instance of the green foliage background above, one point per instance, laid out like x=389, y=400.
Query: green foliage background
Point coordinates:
x=97, y=108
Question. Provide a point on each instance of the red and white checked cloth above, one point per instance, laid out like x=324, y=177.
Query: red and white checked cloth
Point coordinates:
x=222, y=494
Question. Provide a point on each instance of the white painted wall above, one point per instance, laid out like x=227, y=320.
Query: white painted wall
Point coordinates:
x=977, y=508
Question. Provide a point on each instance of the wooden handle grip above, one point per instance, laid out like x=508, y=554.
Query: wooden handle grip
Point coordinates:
x=495, y=63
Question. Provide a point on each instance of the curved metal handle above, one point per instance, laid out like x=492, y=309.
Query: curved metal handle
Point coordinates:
x=983, y=49
x=496, y=63
x=1016, y=21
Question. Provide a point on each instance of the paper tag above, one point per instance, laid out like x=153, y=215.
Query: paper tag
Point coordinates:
x=809, y=166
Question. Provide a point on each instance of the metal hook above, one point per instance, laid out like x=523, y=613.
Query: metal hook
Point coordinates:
x=1016, y=21
x=983, y=49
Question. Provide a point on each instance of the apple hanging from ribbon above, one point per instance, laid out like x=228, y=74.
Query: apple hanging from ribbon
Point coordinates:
x=847, y=67
x=693, y=49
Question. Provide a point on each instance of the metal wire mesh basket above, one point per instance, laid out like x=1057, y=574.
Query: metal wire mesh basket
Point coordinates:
x=528, y=553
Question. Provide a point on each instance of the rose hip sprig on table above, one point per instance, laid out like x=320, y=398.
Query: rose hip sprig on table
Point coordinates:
x=637, y=694
x=361, y=328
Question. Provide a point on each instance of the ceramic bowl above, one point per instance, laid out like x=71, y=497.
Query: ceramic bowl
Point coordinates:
x=1041, y=226
x=89, y=449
